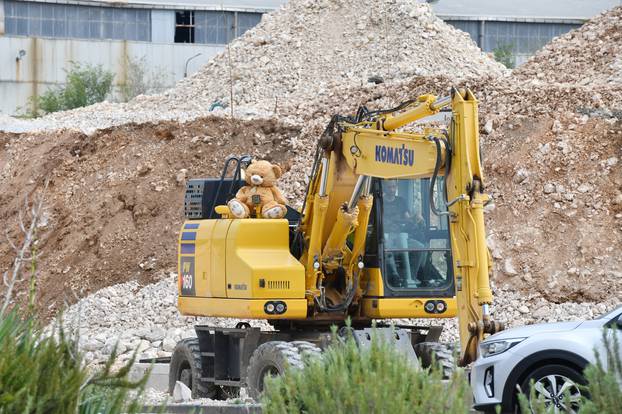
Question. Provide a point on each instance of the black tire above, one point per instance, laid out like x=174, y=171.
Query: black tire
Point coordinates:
x=544, y=374
x=185, y=366
x=270, y=358
x=431, y=352
x=307, y=349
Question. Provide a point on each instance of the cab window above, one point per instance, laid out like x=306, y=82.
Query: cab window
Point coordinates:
x=417, y=252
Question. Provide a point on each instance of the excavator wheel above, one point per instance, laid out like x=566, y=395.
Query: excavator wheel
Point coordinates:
x=430, y=352
x=271, y=358
x=186, y=367
x=307, y=349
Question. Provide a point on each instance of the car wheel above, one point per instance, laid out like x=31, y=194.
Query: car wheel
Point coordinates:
x=557, y=386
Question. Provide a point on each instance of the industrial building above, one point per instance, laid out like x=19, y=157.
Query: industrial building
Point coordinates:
x=176, y=37
x=522, y=27
x=153, y=21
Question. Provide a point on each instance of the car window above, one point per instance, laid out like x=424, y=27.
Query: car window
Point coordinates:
x=612, y=314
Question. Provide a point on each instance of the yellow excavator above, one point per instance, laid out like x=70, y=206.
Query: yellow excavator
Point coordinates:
x=391, y=227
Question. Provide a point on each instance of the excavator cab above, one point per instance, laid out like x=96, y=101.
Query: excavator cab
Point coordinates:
x=407, y=241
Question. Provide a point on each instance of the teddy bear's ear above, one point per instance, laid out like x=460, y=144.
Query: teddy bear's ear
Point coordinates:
x=277, y=170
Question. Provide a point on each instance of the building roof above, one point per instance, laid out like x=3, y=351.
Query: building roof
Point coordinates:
x=574, y=11
x=523, y=9
x=255, y=5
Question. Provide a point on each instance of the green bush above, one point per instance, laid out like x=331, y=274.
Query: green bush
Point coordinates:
x=47, y=374
x=348, y=379
x=504, y=55
x=85, y=85
x=140, y=80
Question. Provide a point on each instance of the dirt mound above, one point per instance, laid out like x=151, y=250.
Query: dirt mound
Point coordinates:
x=589, y=55
x=300, y=53
x=557, y=225
x=114, y=203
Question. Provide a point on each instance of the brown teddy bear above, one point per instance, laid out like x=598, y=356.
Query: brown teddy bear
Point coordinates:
x=260, y=192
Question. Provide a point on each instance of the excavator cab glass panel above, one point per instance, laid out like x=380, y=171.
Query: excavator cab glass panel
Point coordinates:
x=416, y=252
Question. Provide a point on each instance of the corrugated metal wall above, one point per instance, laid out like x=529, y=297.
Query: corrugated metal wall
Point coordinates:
x=79, y=22
x=24, y=18
x=522, y=38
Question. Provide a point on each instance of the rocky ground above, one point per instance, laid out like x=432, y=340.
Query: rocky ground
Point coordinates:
x=147, y=317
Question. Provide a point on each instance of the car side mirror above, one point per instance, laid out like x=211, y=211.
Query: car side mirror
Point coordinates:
x=619, y=321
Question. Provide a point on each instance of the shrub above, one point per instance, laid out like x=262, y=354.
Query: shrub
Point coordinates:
x=504, y=55
x=47, y=374
x=348, y=379
x=85, y=85
x=139, y=80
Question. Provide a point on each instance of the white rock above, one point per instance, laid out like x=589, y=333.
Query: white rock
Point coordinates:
x=508, y=267
x=584, y=188
x=181, y=176
x=557, y=126
x=541, y=312
x=545, y=148
x=168, y=344
x=92, y=345
x=110, y=344
x=548, y=188
x=155, y=334
x=181, y=392
x=520, y=176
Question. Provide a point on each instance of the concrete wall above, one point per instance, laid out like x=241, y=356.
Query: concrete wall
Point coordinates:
x=43, y=65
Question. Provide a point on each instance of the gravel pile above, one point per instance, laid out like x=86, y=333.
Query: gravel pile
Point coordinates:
x=147, y=318
x=589, y=55
x=144, y=318
x=301, y=53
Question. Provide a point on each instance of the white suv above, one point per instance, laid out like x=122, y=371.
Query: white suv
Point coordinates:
x=553, y=355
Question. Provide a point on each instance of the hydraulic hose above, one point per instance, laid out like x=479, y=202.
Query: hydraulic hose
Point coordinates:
x=437, y=167
x=346, y=303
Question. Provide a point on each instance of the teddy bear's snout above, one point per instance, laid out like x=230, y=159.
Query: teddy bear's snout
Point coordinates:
x=256, y=179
